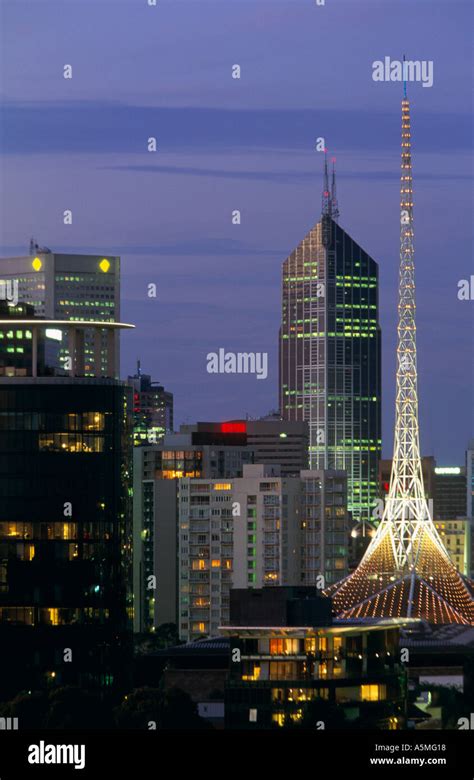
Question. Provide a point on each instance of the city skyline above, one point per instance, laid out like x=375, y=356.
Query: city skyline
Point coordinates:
x=236, y=379
x=255, y=152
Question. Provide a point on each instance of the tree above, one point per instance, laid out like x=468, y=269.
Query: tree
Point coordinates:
x=171, y=709
x=319, y=711
x=166, y=635
x=76, y=708
x=30, y=707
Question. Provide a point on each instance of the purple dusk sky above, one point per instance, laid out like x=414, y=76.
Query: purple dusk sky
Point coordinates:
x=248, y=144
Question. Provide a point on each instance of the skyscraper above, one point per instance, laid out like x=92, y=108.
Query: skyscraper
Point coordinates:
x=330, y=373
x=69, y=287
x=406, y=571
x=65, y=521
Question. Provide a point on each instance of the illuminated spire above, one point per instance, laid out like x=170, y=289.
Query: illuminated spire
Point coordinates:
x=406, y=571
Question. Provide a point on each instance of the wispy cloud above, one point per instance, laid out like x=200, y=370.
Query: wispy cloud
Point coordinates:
x=279, y=177
x=106, y=128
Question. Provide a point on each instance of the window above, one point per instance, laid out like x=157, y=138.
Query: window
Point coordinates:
x=372, y=692
x=70, y=442
x=284, y=646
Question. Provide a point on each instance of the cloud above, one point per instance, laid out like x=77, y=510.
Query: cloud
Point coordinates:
x=281, y=177
x=106, y=128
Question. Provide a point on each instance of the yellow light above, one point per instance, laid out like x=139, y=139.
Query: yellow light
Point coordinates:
x=37, y=264
x=104, y=265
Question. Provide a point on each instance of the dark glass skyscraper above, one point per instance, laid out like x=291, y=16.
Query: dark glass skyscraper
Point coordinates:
x=330, y=372
x=65, y=520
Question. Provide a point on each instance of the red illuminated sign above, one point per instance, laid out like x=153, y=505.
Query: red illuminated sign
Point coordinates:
x=233, y=427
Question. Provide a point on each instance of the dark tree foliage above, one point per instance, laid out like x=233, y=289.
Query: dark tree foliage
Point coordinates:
x=171, y=709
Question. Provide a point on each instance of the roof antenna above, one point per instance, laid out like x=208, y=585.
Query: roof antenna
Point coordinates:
x=334, y=203
x=326, y=199
x=404, y=78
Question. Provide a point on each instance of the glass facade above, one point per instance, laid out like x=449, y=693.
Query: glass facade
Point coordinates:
x=330, y=360
x=65, y=531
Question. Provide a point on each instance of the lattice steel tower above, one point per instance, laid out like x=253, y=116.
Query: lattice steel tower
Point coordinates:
x=406, y=571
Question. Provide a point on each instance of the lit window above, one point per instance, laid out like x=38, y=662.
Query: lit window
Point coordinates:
x=372, y=692
x=54, y=616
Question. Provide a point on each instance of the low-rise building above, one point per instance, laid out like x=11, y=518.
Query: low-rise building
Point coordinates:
x=292, y=664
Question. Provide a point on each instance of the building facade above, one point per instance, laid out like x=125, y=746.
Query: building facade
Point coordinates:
x=450, y=492
x=273, y=441
x=69, y=287
x=292, y=665
x=456, y=536
x=450, y=514
x=65, y=532
x=258, y=530
x=330, y=360
x=152, y=410
x=16, y=341
x=157, y=470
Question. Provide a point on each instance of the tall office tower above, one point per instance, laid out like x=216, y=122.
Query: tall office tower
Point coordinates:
x=406, y=571
x=330, y=355
x=69, y=287
x=152, y=409
x=65, y=520
x=260, y=529
x=274, y=442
